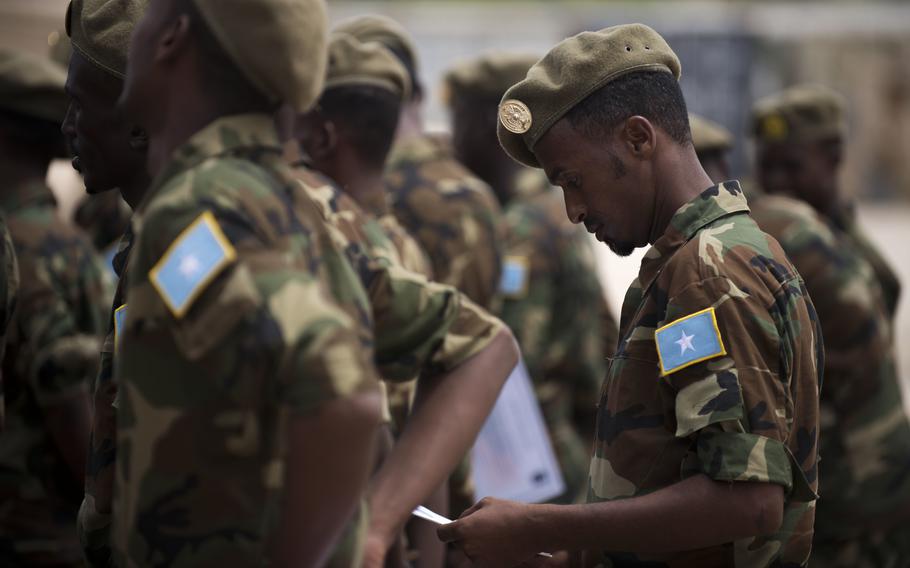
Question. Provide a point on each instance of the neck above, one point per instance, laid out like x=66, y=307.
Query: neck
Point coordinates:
x=134, y=191
x=366, y=187
x=193, y=111
x=679, y=179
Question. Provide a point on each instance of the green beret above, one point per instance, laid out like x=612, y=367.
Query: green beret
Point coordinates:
x=574, y=69
x=278, y=45
x=352, y=62
x=487, y=76
x=384, y=30
x=804, y=113
x=708, y=136
x=100, y=31
x=32, y=86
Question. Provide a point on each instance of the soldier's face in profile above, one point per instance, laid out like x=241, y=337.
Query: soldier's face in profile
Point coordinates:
x=599, y=189
x=802, y=170
x=96, y=132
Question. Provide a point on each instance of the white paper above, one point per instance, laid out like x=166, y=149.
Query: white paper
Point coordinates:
x=512, y=457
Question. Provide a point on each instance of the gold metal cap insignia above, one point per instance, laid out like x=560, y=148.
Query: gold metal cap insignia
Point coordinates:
x=515, y=116
x=774, y=127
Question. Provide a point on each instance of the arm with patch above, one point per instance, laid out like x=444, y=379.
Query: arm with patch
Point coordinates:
x=735, y=399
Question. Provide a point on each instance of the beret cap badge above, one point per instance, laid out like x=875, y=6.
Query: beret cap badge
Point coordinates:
x=515, y=116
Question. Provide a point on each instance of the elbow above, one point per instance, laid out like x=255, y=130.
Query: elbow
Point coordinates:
x=766, y=502
x=365, y=408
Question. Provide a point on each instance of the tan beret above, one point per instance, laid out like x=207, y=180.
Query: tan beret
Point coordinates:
x=352, y=62
x=384, y=30
x=278, y=45
x=574, y=69
x=100, y=30
x=32, y=86
x=487, y=76
x=708, y=136
x=803, y=113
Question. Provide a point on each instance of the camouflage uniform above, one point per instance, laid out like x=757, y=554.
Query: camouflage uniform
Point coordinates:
x=420, y=326
x=453, y=215
x=845, y=223
x=560, y=318
x=93, y=523
x=865, y=435
x=51, y=354
x=750, y=412
x=9, y=286
x=206, y=391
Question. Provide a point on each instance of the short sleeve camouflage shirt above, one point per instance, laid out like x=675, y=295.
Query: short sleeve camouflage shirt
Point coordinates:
x=205, y=392
x=748, y=412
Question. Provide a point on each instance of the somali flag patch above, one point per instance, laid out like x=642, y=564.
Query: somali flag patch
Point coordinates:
x=514, y=280
x=192, y=261
x=688, y=340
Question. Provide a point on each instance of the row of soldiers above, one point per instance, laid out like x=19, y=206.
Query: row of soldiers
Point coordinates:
x=259, y=301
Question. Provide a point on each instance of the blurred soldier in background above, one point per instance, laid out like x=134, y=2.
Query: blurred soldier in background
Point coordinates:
x=712, y=143
x=862, y=518
x=549, y=283
x=462, y=354
x=110, y=154
x=9, y=287
x=799, y=137
x=452, y=214
x=54, y=338
x=240, y=372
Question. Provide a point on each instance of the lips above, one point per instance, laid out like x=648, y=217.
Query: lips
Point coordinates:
x=595, y=229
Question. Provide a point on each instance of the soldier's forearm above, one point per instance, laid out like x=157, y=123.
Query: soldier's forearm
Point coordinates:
x=694, y=513
x=449, y=412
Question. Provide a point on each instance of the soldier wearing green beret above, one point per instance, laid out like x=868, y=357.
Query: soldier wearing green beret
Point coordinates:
x=461, y=354
x=862, y=517
x=248, y=401
x=52, y=343
x=712, y=142
x=705, y=451
x=799, y=138
x=110, y=154
x=452, y=214
x=552, y=298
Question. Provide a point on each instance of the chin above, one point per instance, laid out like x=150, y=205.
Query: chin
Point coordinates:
x=621, y=249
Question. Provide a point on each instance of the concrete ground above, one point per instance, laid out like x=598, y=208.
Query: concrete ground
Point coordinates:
x=888, y=225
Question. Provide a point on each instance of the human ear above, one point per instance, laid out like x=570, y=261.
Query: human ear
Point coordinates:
x=639, y=137
x=173, y=39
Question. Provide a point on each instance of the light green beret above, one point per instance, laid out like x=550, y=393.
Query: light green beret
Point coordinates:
x=803, y=113
x=352, y=62
x=32, y=86
x=384, y=30
x=278, y=45
x=708, y=136
x=100, y=30
x=487, y=76
x=574, y=69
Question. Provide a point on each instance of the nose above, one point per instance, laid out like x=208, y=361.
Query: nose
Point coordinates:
x=68, y=127
x=575, y=209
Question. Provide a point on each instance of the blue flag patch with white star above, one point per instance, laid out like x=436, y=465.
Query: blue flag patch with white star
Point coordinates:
x=119, y=322
x=689, y=340
x=192, y=261
x=514, y=280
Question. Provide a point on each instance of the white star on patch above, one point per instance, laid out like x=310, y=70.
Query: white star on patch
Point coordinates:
x=189, y=266
x=685, y=342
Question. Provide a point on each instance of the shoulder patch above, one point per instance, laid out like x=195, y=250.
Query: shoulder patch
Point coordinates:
x=688, y=340
x=192, y=261
x=514, y=280
x=119, y=322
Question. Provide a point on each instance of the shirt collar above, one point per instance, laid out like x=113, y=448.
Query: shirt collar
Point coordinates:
x=714, y=203
x=30, y=194
x=224, y=136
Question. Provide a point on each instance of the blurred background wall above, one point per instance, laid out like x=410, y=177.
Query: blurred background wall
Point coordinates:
x=732, y=52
